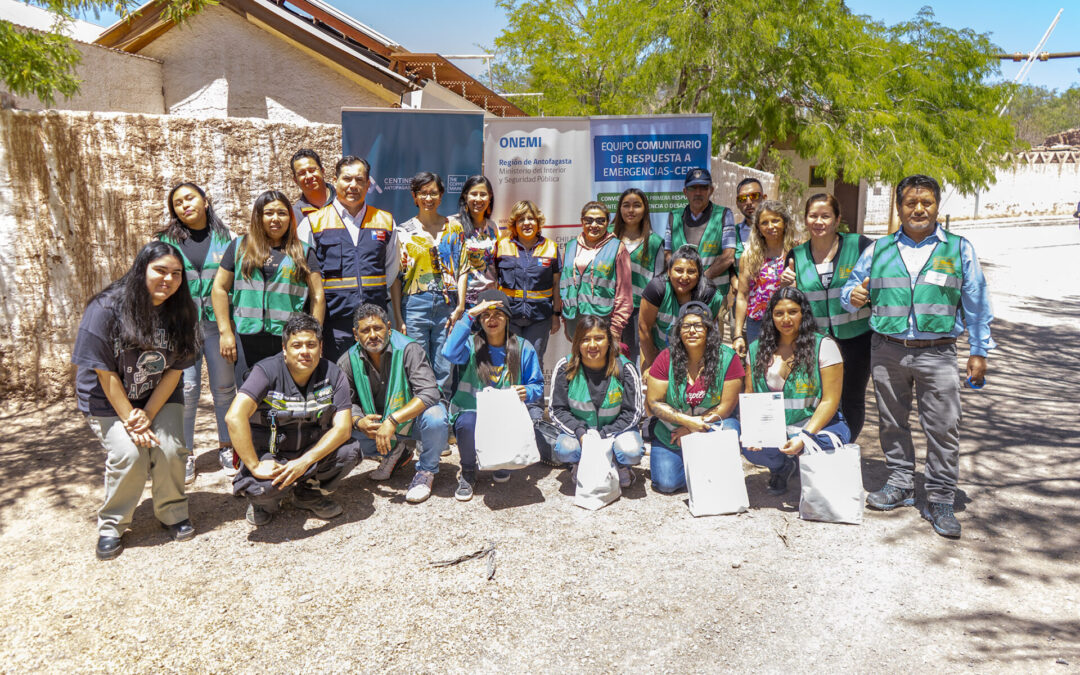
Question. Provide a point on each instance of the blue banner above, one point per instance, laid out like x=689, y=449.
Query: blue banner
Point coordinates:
x=400, y=143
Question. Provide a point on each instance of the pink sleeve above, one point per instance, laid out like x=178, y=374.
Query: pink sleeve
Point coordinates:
x=624, y=292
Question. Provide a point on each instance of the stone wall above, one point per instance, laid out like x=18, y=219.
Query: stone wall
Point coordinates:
x=80, y=193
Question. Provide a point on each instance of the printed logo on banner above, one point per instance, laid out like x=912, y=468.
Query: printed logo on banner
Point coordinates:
x=648, y=157
x=455, y=181
x=397, y=183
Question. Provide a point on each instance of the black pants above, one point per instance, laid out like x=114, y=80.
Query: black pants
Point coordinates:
x=250, y=349
x=856, y=353
x=322, y=477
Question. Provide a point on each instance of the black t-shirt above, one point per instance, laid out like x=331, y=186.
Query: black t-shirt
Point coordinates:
x=196, y=247
x=655, y=289
x=277, y=254
x=139, y=369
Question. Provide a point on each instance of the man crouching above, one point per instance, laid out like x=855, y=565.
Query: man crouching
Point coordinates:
x=290, y=423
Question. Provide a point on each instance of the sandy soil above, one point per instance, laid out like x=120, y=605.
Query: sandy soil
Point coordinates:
x=638, y=586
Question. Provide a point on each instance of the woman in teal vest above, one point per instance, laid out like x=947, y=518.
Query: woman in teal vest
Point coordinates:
x=633, y=228
x=693, y=387
x=793, y=357
x=595, y=388
x=200, y=236
x=820, y=268
x=684, y=282
x=596, y=274
x=265, y=276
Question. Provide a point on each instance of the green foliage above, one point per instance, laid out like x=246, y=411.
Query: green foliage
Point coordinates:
x=1038, y=112
x=43, y=65
x=870, y=100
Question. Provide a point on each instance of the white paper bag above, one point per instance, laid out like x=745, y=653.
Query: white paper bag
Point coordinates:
x=597, y=475
x=504, y=431
x=832, y=489
x=714, y=473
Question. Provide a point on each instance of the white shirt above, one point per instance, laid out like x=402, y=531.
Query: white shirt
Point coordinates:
x=828, y=355
x=392, y=260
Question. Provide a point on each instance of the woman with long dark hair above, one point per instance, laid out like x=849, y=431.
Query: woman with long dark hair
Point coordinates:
x=596, y=280
x=473, y=263
x=493, y=357
x=201, y=238
x=693, y=386
x=633, y=227
x=793, y=357
x=134, y=341
x=265, y=277
x=820, y=268
x=772, y=236
x=684, y=282
x=596, y=388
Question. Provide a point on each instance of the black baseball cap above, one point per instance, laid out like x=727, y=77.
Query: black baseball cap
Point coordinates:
x=698, y=177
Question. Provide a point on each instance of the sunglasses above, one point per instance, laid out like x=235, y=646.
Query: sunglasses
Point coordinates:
x=749, y=197
x=588, y=220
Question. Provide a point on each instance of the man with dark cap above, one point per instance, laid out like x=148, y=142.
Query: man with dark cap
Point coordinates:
x=707, y=226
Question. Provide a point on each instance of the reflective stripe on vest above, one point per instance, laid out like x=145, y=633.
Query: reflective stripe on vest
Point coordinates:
x=829, y=313
x=802, y=391
x=529, y=282
x=264, y=306
x=711, y=245
x=352, y=273
x=591, y=292
x=936, y=294
x=676, y=395
x=643, y=264
x=200, y=283
x=397, y=392
x=464, y=397
x=581, y=404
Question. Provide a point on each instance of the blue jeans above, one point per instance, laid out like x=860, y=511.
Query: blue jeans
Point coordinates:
x=666, y=464
x=222, y=385
x=430, y=428
x=465, y=430
x=426, y=318
x=774, y=460
x=628, y=449
x=753, y=330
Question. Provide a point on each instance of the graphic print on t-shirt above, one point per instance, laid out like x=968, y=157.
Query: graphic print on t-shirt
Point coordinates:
x=142, y=370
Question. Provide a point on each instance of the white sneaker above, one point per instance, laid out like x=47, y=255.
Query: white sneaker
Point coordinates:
x=450, y=449
x=189, y=470
x=225, y=456
x=391, y=461
x=420, y=487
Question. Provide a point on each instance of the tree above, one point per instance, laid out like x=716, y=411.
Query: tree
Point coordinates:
x=862, y=98
x=43, y=65
x=1038, y=112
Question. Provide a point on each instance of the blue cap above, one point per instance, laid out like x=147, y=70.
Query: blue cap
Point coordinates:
x=698, y=177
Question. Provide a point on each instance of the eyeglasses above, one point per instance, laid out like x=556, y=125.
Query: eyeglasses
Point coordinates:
x=749, y=197
x=588, y=220
x=694, y=328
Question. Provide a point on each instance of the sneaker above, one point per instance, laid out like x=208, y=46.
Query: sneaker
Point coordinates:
x=501, y=476
x=258, y=516
x=778, y=480
x=627, y=477
x=464, y=490
x=942, y=518
x=227, y=457
x=397, y=457
x=420, y=487
x=449, y=449
x=322, y=507
x=189, y=470
x=889, y=497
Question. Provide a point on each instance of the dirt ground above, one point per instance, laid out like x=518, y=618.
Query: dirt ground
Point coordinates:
x=638, y=586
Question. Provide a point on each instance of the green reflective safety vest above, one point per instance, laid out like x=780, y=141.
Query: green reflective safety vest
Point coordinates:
x=936, y=294
x=711, y=245
x=802, y=391
x=591, y=292
x=740, y=245
x=397, y=388
x=676, y=395
x=581, y=404
x=261, y=305
x=668, y=311
x=829, y=313
x=464, y=398
x=643, y=264
x=200, y=283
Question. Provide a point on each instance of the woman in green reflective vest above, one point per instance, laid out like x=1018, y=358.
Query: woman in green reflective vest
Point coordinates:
x=633, y=227
x=265, y=276
x=684, y=282
x=820, y=268
x=596, y=274
x=200, y=236
x=793, y=357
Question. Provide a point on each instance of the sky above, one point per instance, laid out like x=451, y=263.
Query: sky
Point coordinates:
x=459, y=27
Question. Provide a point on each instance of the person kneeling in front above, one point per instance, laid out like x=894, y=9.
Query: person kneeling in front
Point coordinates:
x=597, y=388
x=395, y=400
x=290, y=424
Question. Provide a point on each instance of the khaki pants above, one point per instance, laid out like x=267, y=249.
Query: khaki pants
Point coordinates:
x=126, y=466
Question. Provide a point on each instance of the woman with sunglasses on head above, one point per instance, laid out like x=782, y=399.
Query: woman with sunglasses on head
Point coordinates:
x=772, y=236
x=134, y=341
x=265, y=277
x=793, y=357
x=633, y=228
x=473, y=260
x=693, y=386
x=596, y=280
x=596, y=388
x=201, y=238
x=820, y=268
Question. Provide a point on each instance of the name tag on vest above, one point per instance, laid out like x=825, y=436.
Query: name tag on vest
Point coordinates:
x=936, y=278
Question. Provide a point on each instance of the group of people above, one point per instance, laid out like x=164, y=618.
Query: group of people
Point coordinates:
x=332, y=333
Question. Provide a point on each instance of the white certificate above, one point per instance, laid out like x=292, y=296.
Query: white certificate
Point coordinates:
x=761, y=417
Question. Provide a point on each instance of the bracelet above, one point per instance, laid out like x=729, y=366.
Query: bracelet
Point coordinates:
x=739, y=337
x=393, y=419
